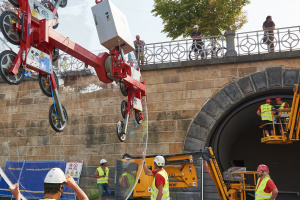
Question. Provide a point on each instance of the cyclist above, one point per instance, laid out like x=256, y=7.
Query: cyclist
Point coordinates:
x=197, y=41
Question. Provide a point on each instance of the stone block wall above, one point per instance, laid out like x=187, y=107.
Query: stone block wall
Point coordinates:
x=174, y=97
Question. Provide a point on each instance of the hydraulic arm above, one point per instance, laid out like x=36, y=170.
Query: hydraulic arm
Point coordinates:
x=33, y=29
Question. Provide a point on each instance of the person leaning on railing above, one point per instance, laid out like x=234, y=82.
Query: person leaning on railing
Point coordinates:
x=197, y=40
x=266, y=111
x=269, y=26
x=139, y=49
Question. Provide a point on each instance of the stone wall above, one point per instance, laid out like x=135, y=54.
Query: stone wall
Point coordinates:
x=175, y=95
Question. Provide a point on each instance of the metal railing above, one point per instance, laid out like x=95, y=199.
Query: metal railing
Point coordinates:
x=247, y=43
x=183, y=50
x=259, y=42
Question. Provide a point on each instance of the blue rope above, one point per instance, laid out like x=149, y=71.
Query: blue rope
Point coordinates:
x=136, y=125
x=53, y=99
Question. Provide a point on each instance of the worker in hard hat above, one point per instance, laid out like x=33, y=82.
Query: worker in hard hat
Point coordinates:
x=265, y=187
x=127, y=179
x=160, y=185
x=283, y=110
x=54, y=183
x=103, y=180
x=266, y=111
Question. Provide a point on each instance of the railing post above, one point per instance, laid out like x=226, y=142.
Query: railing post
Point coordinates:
x=229, y=35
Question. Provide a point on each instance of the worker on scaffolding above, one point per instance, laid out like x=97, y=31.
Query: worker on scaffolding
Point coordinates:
x=160, y=185
x=283, y=112
x=265, y=188
x=266, y=112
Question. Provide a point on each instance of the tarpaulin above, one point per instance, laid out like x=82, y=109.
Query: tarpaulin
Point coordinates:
x=30, y=175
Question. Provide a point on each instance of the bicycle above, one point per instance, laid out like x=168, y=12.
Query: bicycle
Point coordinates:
x=199, y=51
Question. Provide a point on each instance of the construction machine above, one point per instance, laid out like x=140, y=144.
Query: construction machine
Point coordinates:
x=231, y=185
x=285, y=124
x=32, y=29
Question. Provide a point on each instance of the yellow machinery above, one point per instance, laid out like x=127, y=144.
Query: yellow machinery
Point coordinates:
x=286, y=128
x=232, y=185
x=182, y=173
x=180, y=168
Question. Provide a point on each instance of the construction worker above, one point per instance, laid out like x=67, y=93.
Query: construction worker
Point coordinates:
x=53, y=186
x=103, y=180
x=265, y=188
x=127, y=179
x=283, y=110
x=283, y=106
x=265, y=111
x=160, y=185
x=64, y=63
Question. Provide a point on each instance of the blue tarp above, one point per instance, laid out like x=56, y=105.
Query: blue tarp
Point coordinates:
x=30, y=175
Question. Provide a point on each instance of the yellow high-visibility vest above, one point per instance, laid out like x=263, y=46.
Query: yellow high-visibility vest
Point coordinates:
x=282, y=107
x=101, y=173
x=154, y=190
x=266, y=112
x=259, y=193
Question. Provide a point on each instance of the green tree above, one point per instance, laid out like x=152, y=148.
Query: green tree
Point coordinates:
x=212, y=16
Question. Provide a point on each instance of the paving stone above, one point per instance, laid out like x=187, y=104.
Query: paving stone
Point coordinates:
x=210, y=196
x=188, y=195
x=274, y=76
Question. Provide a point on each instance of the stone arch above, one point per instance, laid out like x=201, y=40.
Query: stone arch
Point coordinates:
x=221, y=103
x=250, y=90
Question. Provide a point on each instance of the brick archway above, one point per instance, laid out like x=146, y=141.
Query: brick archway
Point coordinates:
x=202, y=127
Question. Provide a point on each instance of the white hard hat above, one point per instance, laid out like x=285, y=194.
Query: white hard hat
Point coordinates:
x=160, y=161
x=55, y=175
x=103, y=161
x=196, y=26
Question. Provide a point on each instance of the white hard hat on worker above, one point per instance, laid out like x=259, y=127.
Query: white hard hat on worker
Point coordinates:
x=102, y=161
x=55, y=175
x=159, y=161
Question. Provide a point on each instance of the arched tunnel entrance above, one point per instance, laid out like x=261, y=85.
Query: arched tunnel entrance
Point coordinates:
x=236, y=142
x=229, y=124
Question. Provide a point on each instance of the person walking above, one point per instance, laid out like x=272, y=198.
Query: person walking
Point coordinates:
x=103, y=180
x=265, y=111
x=265, y=188
x=160, y=185
x=54, y=183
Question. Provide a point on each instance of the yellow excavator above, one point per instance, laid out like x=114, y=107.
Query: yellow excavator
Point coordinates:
x=285, y=124
x=231, y=185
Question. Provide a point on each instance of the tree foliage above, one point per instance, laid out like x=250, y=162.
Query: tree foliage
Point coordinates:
x=212, y=16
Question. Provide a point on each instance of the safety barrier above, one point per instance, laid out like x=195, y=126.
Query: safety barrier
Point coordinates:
x=259, y=42
x=232, y=44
